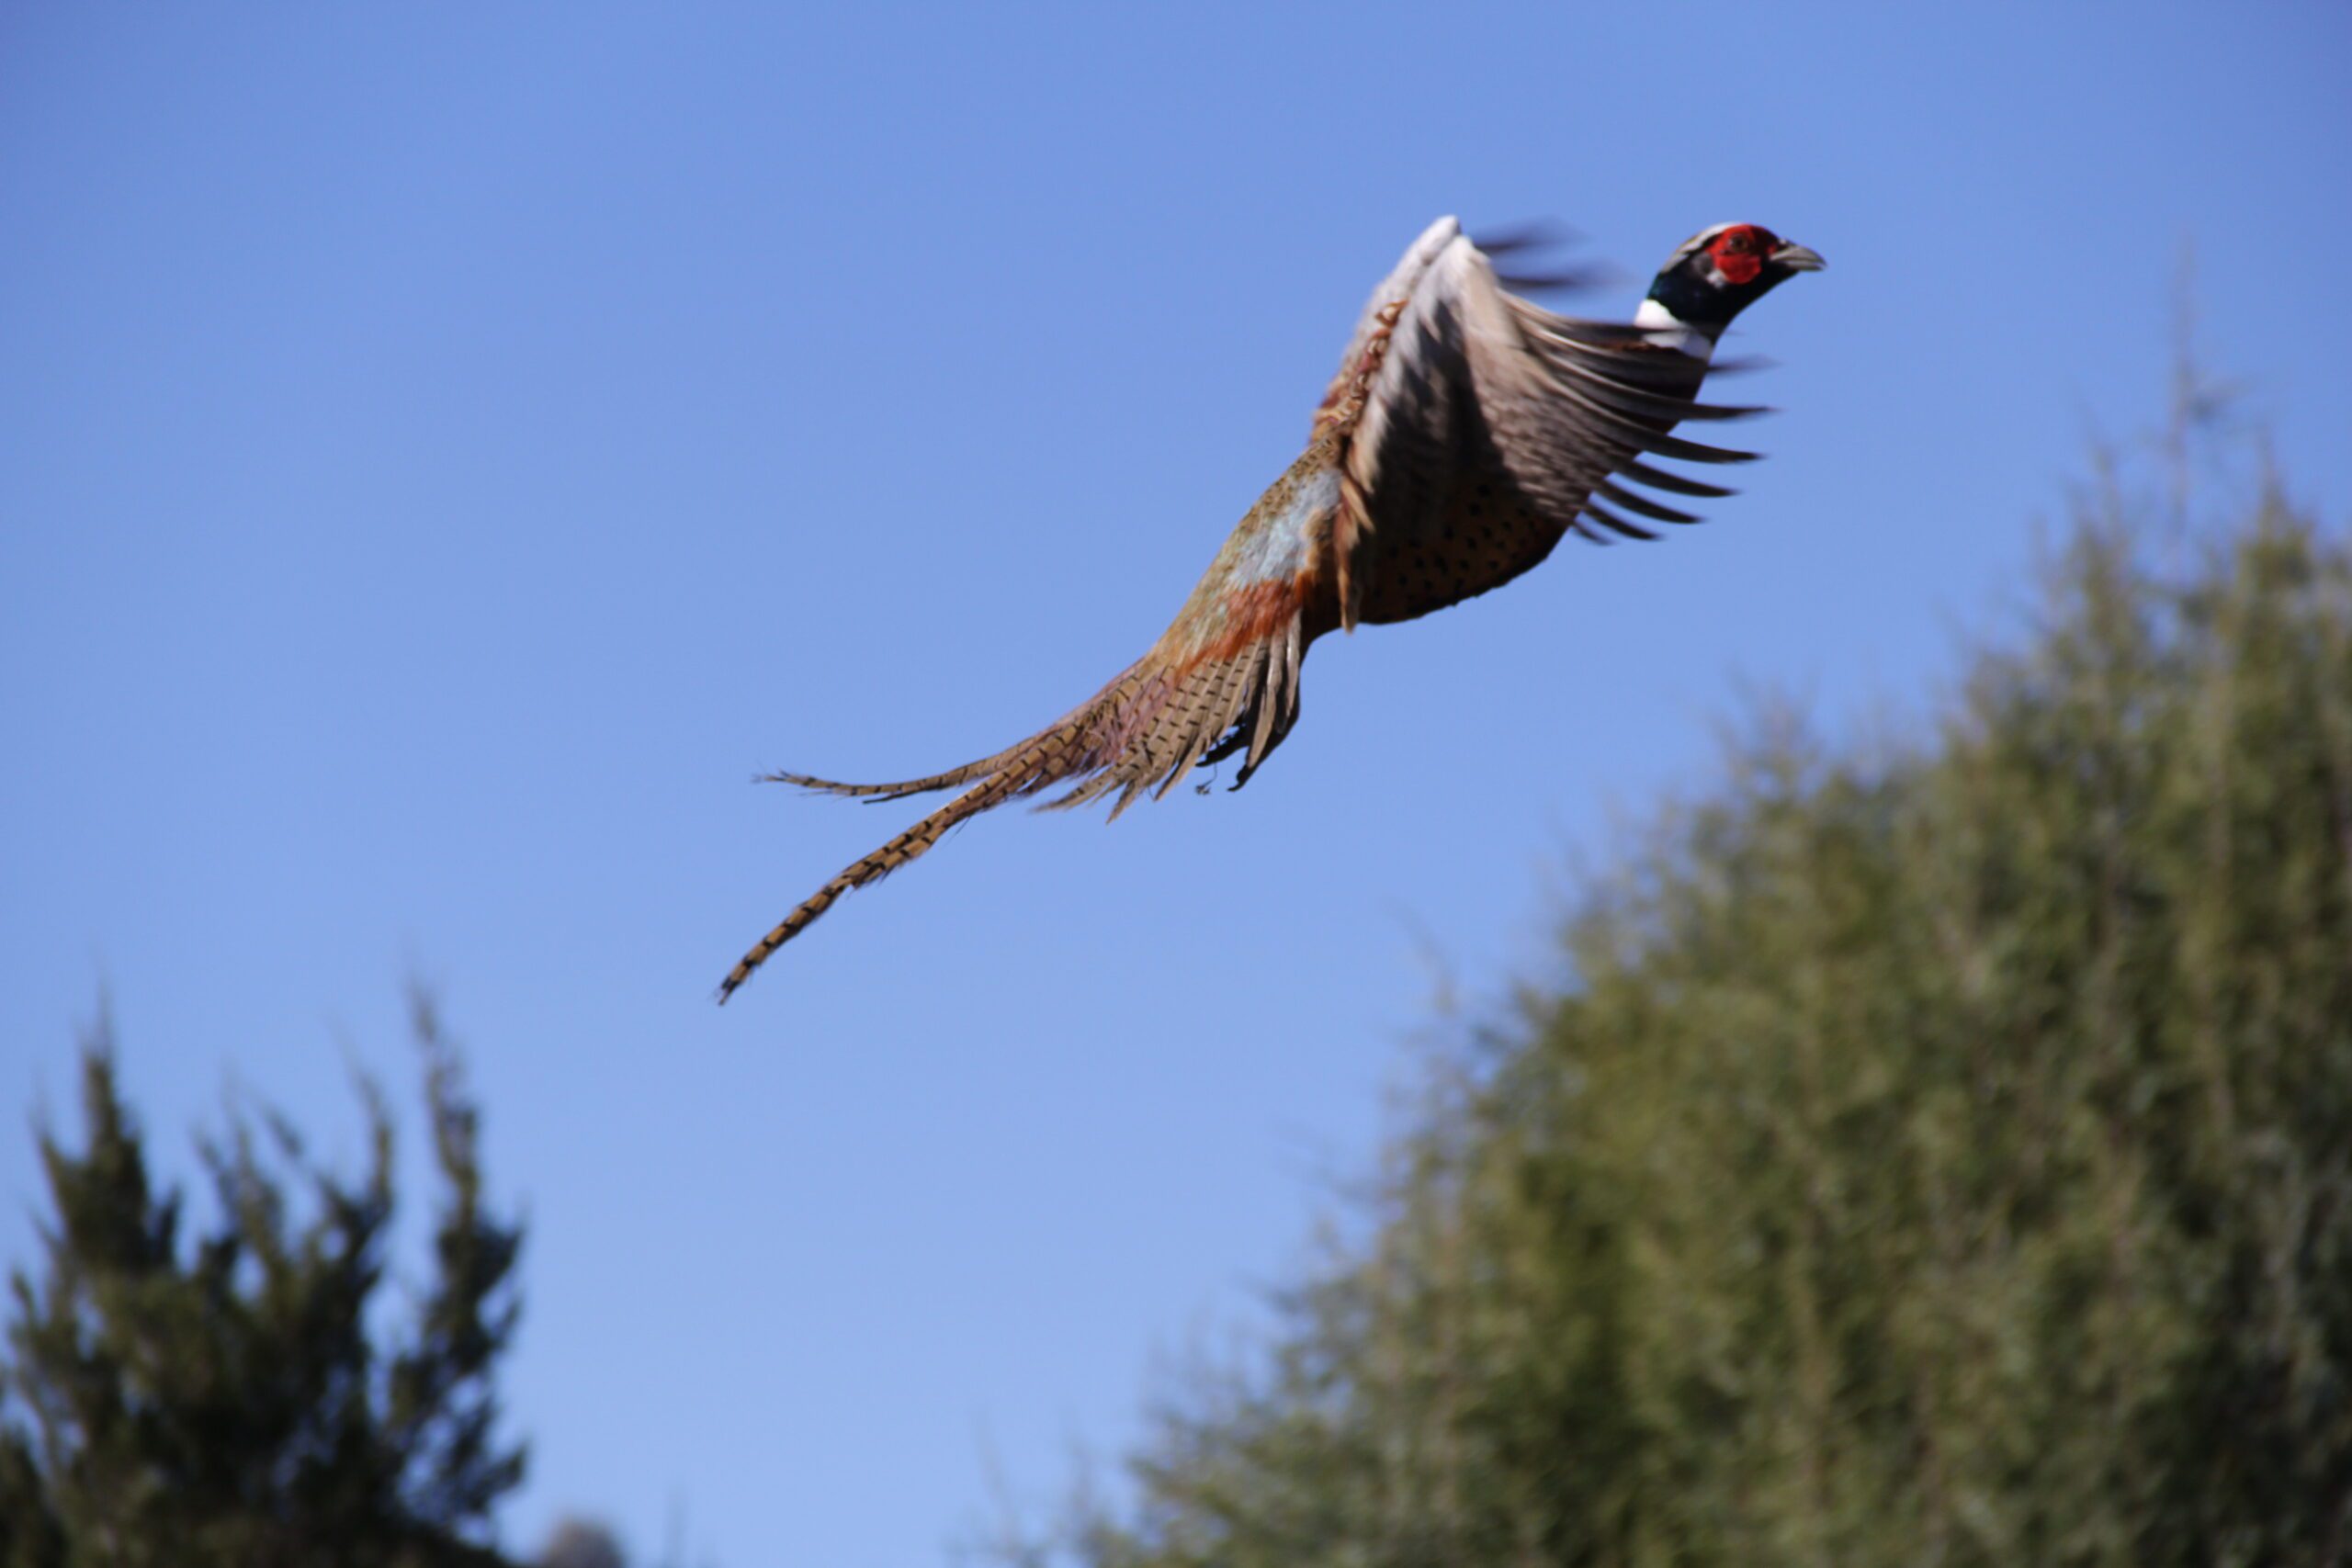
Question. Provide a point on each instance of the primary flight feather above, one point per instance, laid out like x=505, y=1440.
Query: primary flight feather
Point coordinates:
x=1466, y=431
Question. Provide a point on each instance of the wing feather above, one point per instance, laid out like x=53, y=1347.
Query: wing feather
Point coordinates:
x=1493, y=427
x=1633, y=502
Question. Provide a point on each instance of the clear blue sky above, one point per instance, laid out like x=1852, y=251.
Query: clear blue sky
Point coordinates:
x=445, y=450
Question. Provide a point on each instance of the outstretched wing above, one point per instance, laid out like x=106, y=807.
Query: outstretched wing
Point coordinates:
x=1492, y=427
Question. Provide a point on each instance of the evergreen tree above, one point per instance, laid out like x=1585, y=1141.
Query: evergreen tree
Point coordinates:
x=242, y=1400
x=1943, y=1158
x=582, y=1543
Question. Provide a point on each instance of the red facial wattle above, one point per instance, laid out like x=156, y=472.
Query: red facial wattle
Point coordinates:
x=1739, y=254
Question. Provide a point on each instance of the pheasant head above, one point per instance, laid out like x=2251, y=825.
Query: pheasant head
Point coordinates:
x=1715, y=275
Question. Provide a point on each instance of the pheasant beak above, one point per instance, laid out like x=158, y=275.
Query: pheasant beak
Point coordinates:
x=1794, y=257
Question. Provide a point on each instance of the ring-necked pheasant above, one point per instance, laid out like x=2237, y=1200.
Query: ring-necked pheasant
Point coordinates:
x=1466, y=431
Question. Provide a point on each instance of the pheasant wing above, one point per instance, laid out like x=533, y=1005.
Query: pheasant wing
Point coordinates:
x=1491, y=427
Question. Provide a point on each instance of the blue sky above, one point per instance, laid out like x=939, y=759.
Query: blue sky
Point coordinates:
x=445, y=450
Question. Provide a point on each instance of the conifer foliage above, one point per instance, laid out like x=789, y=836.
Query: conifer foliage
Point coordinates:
x=1940, y=1154
x=243, y=1396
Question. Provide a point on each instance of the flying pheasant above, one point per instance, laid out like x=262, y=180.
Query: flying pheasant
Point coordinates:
x=1466, y=431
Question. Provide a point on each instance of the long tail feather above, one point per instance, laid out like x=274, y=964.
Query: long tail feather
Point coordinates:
x=1055, y=752
x=903, y=788
x=1142, y=732
x=874, y=867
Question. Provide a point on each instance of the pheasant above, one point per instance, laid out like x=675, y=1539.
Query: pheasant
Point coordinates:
x=1466, y=431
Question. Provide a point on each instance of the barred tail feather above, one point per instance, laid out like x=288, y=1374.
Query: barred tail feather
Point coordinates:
x=1051, y=754
x=1145, y=730
x=900, y=790
x=1080, y=721
x=874, y=867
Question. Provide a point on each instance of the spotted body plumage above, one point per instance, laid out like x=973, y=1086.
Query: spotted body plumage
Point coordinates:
x=1466, y=432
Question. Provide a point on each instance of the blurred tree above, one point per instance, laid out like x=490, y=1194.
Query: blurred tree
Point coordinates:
x=582, y=1543
x=1942, y=1156
x=241, y=1401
